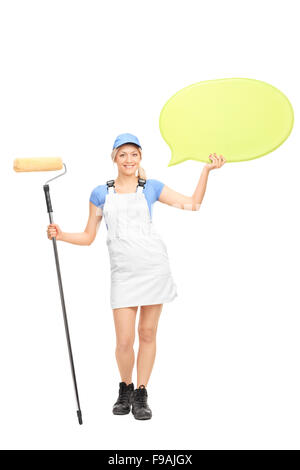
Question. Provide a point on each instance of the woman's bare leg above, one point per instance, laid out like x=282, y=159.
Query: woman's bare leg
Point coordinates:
x=149, y=316
x=124, y=319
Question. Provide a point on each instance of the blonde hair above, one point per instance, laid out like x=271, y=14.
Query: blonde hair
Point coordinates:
x=140, y=170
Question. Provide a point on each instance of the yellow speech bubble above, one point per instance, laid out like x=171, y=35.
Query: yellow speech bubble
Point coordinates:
x=239, y=118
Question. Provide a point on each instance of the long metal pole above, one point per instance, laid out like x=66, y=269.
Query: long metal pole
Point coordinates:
x=50, y=211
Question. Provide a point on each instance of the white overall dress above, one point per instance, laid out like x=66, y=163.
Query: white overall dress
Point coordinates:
x=140, y=270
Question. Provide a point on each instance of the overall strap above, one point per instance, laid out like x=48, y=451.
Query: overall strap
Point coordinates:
x=141, y=185
x=141, y=182
x=110, y=186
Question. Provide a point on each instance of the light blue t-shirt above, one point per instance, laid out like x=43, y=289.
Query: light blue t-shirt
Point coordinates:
x=152, y=190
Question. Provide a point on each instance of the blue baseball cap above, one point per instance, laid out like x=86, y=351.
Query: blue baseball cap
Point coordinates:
x=126, y=139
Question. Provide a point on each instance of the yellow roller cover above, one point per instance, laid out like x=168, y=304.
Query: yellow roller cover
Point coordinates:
x=239, y=118
x=37, y=164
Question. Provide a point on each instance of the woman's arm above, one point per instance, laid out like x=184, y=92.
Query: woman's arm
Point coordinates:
x=88, y=236
x=175, y=199
x=82, y=238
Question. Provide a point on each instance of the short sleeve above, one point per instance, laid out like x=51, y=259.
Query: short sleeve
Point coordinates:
x=94, y=198
x=98, y=196
x=157, y=186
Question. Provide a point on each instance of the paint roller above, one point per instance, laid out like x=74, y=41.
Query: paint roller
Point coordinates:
x=51, y=164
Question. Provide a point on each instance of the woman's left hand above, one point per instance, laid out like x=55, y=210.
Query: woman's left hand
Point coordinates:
x=217, y=162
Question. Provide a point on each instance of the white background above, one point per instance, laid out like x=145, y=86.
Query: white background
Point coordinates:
x=75, y=74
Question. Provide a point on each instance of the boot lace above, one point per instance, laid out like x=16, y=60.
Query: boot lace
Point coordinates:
x=141, y=396
x=123, y=395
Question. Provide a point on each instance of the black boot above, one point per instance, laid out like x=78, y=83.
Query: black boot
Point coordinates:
x=123, y=403
x=140, y=408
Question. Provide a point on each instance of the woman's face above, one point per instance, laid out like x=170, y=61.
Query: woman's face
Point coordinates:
x=128, y=159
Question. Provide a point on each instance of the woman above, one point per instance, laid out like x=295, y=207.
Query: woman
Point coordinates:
x=140, y=270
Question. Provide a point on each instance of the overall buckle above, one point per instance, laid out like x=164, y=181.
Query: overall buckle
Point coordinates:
x=141, y=182
x=110, y=183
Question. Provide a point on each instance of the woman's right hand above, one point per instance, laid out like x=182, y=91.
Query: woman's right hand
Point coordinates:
x=54, y=230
